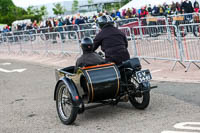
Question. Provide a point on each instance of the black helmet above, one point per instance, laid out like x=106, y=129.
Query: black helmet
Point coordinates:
x=104, y=20
x=87, y=44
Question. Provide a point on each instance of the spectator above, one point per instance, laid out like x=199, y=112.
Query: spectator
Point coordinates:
x=149, y=9
x=173, y=7
x=178, y=7
x=155, y=11
x=196, y=6
x=161, y=10
x=5, y=30
x=113, y=14
x=128, y=13
x=133, y=11
x=167, y=10
x=187, y=6
x=60, y=29
x=79, y=20
x=29, y=26
x=67, y=21
x=35, y=26
x=118, y=13
x=143, y=12
x=106, y=13
x=123, y=13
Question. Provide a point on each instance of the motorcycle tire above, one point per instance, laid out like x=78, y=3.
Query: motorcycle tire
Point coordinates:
x=64, y=98
x=142, y=104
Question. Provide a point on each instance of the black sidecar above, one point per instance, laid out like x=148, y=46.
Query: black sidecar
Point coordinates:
x=99, y=85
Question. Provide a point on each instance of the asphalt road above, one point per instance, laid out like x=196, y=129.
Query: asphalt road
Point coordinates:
x=27, y=106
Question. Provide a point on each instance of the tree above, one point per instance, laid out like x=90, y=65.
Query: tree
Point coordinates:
x=39, y=12
x=9, y=12
x=124, y=2
x=58, y=9
x=30, y=10
x=43, y=11
x=90, y=1
x=75, y=6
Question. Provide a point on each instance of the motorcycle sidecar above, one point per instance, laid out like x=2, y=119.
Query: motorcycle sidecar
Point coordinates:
x=93, y=84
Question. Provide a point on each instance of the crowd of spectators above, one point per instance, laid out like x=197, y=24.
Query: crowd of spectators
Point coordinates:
x=182, y=7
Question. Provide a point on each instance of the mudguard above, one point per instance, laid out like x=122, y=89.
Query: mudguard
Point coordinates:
x=146, y=85
x=76, y=100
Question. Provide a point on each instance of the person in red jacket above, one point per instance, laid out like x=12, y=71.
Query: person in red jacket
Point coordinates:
x=143, y=12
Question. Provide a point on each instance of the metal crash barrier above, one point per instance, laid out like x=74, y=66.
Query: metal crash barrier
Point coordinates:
x=127, y=32
x=87, y=33
x=156, y=44
x=190, y=43
x=162, y=40
x=70, y=43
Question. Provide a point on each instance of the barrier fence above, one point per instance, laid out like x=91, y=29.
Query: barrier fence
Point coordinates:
x=162, y=42
x=190, y=44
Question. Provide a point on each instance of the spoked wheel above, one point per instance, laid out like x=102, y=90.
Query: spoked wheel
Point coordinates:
x=66, y=111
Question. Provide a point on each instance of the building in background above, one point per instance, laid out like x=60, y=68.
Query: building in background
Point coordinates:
x=83, y=4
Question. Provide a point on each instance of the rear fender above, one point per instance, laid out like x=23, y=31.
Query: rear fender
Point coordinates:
x=146, y=86
x=76, y=101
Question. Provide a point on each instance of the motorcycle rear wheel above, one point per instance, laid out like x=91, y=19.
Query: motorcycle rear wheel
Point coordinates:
x=140, y=102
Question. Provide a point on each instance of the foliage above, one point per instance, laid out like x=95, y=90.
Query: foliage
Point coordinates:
x=58, y=9
x=9, y=12
x=124, y=2
x=42, y=11
x=111, y=6
x=75, y=6
x=90, y=1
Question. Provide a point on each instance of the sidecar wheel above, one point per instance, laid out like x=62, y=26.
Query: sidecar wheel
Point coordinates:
x=65, y=109
x=140, y=102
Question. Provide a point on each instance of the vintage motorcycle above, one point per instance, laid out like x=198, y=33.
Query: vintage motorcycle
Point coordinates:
x=99, y=85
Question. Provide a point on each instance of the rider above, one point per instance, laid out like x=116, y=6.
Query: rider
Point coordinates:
x=113, y=42
x=89, y=57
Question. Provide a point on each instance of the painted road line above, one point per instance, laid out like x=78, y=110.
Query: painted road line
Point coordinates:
x=192, y=127
x=177, y=132
x=14, y=70
x=5, y=64
x=154, y=71
x=188, y=125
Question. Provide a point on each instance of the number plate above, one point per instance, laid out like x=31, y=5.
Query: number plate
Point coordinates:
x=143, y=76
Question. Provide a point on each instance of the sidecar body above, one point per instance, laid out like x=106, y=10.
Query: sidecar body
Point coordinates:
x=90, y=84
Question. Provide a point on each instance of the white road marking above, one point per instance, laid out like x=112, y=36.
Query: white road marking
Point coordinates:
x=185, y=126
x=14, y=70
x=154, y=71
x=177, y=132
x=5, y=64
x=188, y=125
